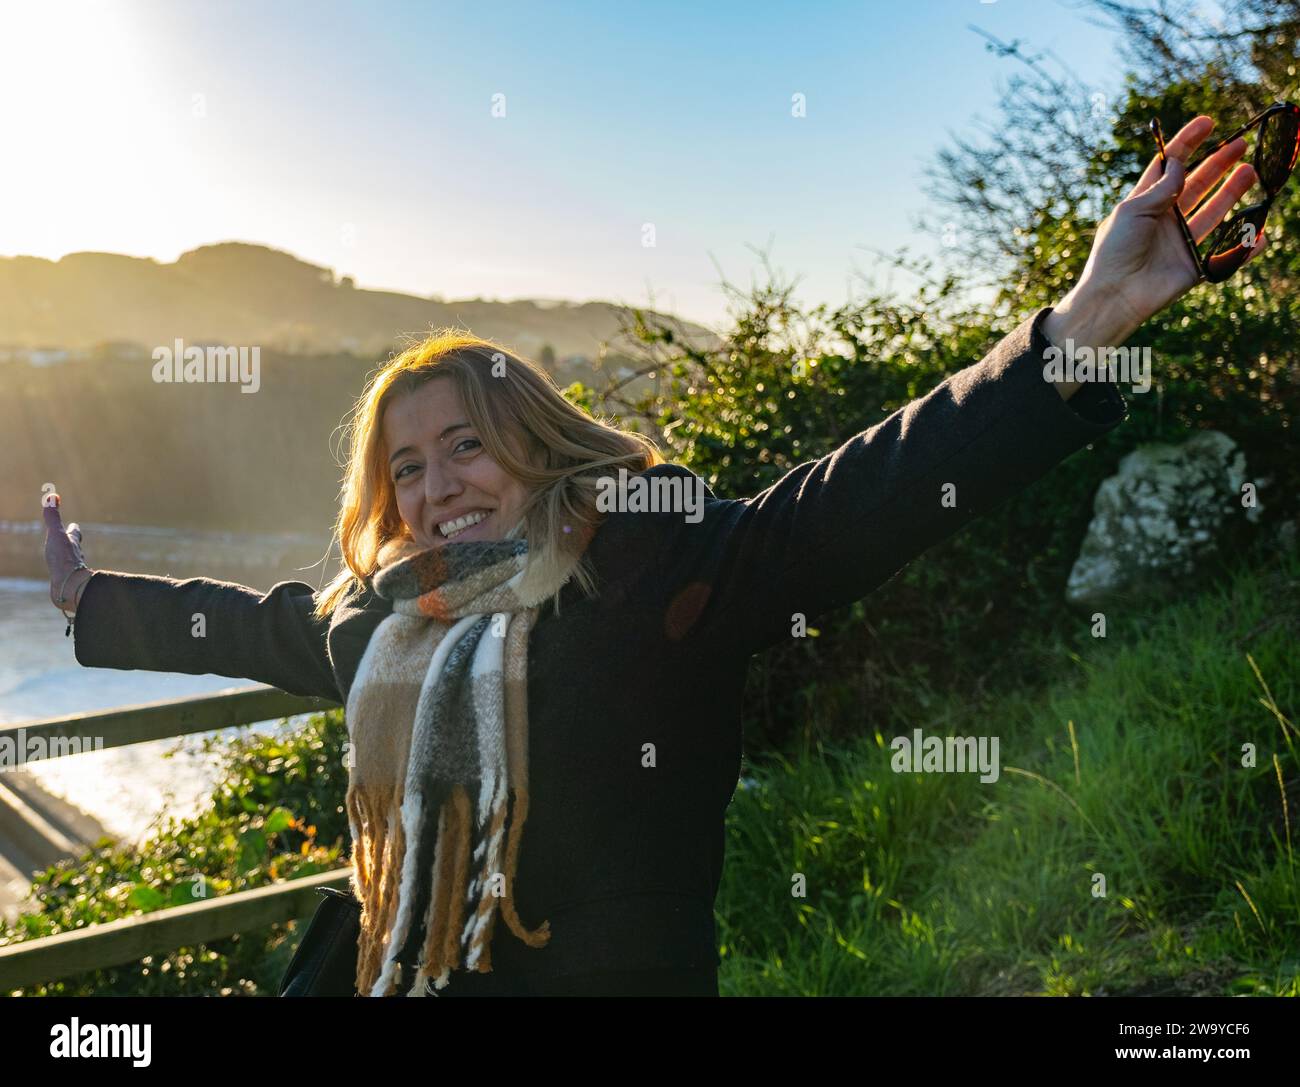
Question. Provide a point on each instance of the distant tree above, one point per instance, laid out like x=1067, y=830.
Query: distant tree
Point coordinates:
x=1021, y=204
x=548, y=358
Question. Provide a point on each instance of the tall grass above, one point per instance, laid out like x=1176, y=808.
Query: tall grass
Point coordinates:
x=1126, y=761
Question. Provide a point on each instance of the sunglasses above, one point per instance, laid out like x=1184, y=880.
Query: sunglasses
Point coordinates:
x=1276, y=148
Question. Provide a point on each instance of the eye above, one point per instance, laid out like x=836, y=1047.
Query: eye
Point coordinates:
x=401, y=470
x=462, y=442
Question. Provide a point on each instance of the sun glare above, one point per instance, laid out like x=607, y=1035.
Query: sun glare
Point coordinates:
x=79, y=126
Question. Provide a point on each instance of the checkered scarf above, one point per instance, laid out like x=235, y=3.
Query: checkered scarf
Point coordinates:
x=438, y=722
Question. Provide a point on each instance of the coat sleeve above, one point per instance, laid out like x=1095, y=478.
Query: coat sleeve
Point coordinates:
x=131, y=621
x=833, y=529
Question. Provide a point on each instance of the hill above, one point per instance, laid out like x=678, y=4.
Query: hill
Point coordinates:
x=235, y=293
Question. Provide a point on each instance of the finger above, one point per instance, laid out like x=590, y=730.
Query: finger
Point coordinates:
x=1208, y=174
x=74, y=533
x=53, y=519
x=1217, y=207
x=1181, y=147
x=1160, y=197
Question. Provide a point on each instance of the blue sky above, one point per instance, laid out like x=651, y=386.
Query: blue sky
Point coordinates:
x=360, y=136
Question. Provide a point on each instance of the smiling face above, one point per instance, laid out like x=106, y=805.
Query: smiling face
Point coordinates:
x=442, y=472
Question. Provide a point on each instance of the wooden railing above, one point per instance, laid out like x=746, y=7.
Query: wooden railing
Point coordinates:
x=130, y=939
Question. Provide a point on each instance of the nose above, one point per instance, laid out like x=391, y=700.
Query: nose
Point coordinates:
x=440, y=485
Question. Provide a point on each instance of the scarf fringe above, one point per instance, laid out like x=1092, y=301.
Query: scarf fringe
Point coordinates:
x=446, y=927
x=379, y=822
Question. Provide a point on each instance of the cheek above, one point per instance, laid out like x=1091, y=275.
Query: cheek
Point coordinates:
x=509, y=491
x=408, y=505
x=492, y=480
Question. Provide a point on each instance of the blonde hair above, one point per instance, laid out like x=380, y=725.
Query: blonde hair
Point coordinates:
x=505, y=397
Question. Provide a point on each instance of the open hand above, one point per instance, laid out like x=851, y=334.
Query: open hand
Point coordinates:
x=1139, y=261
x=67, y=566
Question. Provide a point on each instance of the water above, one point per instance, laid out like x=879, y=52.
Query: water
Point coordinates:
x=125, y=788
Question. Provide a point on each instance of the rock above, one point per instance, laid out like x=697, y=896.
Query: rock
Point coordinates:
x=1160, y=515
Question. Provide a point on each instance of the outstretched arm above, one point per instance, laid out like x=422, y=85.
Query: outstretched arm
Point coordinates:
x=831, y=530
x=197, y=626
x=201, y=626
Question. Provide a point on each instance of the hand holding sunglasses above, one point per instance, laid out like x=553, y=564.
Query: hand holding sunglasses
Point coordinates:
x=1234, y=242
x=1146, y=253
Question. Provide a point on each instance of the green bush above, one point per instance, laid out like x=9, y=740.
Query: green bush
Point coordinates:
x=276, y=815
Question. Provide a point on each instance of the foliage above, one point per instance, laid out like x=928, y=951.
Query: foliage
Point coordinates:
x=1131, y=764
x=275, y=815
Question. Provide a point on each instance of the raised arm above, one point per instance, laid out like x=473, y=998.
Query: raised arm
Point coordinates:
x=197, y=626
x=201, y=626
x=833, y=529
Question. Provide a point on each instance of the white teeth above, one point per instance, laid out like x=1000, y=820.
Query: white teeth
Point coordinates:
x=453, y=528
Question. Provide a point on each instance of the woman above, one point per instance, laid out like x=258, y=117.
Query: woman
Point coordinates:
x=512, y=647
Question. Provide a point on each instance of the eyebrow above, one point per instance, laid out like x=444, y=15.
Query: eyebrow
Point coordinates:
x=412, y=449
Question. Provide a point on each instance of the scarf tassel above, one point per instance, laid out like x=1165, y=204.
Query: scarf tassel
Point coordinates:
x=446, y=928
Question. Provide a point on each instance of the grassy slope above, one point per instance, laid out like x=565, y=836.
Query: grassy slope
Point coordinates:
x=938, y=884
